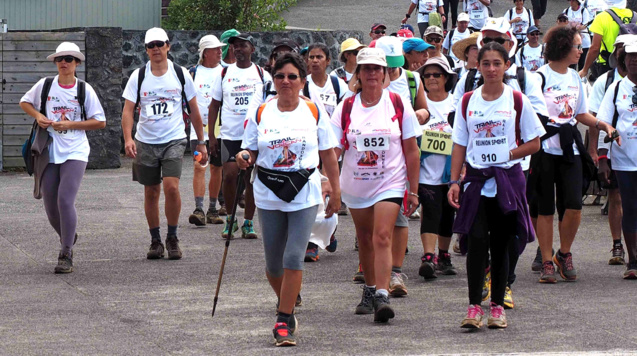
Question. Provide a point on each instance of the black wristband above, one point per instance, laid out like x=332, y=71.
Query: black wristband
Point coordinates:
x=407, y=15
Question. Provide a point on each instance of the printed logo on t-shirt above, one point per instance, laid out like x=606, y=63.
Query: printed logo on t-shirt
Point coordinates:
x=368, y=159
x=53, y=98
x=149, y=93
x=286, y=157
x=476, y=113
x=60, y=113
x=489, y=127
x=534, y=64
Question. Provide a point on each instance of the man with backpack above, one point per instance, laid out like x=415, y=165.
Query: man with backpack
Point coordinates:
x=531, y=55
x=457, y=34
x=160, y=88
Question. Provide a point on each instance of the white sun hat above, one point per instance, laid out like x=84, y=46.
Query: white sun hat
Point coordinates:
x=67, y=49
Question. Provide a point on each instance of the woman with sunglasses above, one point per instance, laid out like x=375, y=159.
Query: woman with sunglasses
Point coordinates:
x=557, y=170
x=377, y=130
x=488, y=131
x=620, y=114
x=66, y=120
x=285, y=140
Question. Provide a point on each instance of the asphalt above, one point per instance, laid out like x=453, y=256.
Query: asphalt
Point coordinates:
x=118, y=302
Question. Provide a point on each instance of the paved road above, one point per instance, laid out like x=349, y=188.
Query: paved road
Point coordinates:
x=117, y=302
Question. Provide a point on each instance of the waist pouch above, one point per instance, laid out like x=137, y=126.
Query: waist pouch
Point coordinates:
x=285, y=185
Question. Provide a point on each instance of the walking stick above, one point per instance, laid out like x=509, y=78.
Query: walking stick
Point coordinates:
x=230, y=228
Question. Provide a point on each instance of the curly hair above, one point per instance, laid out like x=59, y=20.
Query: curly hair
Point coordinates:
x=294, y=59
x=559, y=42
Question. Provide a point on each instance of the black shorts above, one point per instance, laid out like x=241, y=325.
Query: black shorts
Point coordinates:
x=612, y=178
x=215, y=161
x=437, y=214
x=398, y=201
x=559, y=185
x=229, y=150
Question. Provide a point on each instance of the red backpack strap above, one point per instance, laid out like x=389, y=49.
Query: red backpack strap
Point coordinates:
x=314, y=109
x=259, y=112
x=465, y=104
x=397, y=101
x=517, y=105
x=348, y=104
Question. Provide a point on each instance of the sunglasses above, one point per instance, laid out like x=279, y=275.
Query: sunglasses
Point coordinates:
x=429, y=75
x=434, y=39
x=578, y=47
x=291, y=77
x=67, y=59
x=158, y=44
x=500, y=40
x=379, y=32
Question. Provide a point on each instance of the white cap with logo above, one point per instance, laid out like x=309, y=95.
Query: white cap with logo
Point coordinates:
x=155, y=34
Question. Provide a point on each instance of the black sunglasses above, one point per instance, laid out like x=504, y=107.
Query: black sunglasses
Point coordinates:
x=429, y=75
x=378, y=32
x=291, y=77
x=158, y=44
x=434, y=39
x=500, y=40
x=67, y=59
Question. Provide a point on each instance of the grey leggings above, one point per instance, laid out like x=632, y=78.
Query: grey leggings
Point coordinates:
x=285, y=238
x=60, y=184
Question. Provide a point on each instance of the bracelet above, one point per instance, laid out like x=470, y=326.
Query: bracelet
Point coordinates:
x=597, y=124
x=510, y=155
x=452, y=182
x=602, y=157
x=413, y=194
x=201, y=142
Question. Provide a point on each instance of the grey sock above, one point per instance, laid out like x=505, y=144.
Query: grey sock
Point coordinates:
x=199, y=203
x=213, y=204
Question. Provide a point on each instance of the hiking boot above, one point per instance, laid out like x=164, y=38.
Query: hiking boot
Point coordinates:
x=247, y=230
x=508, y=298
x=222, y=210
x=212, y=217
x=427, y=266
x=343, y=209
x=283, y=336
x=197, y=218
x=486, y=287
x=547, y=274
x=311, y=254
x=225, y=234
x=333, y=243
x=473, y=320
x=631, y=271
x=415, y=216
x=444, y=265
x=359, y=277
x=536, y=266
x=497, y=317
x=382, y=311
x=565, y=266
x=397, y=286
x=156, y=250
x=172, y=245
x=65, y=263
x=617, y=258
x=366, y=306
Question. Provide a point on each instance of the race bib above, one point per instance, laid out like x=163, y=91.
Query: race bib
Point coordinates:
x=328, y=99
x=372, y=142
x=159, y=109
x=490, y=150
x=437, y=142
x=477, y=14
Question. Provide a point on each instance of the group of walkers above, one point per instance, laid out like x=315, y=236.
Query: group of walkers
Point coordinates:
x=477, y=126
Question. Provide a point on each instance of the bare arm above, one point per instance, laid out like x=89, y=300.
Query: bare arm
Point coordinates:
x=412, y=159
x=412, y=6
x=127, y=128
x=330, y=167
x=593, y=53
x=458, y=156
x=526, y=149
x=42, y=120
x=422, y=110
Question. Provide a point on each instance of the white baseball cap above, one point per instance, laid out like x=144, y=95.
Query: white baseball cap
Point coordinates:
x=463, y=17
x=392, y=47
x=500, y=25
x=67, y=49
x=155, y=34
x=625, y=40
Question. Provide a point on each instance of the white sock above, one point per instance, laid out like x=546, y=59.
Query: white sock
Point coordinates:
x=384, y=292
x=371, y=287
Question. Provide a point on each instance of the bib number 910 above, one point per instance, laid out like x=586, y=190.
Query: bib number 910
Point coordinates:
x=491, y=150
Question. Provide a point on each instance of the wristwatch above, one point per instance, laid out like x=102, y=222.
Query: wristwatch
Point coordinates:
x=451, y=182
x=407, y=15
x=201, y=143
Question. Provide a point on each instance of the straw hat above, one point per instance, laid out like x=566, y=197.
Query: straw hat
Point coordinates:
x=460, y=47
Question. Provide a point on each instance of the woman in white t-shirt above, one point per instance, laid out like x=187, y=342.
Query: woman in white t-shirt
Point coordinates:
x=286, y=140
x=380, y=156
x=580, y=18
x=489, y=128
x=520, y=19
x=618, y=109
x=66, y=119
x=323, y=83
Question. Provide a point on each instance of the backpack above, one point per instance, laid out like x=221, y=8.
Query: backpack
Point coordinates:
x=517, y=105
x=522, y=57
x=624, y=29
x=413, y=89
x=346, y=119
x=520, y=75
x=616, y=113
x=341, y=73
x=610, y=78
x=512, y=11
x=452, y=32
x=313, y=108
x=335, y=85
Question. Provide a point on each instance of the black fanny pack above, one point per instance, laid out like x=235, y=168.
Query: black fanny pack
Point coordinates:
x=285, y=185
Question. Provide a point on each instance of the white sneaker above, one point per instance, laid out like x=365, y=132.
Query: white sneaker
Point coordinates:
x=415, y=216
x=397, y=286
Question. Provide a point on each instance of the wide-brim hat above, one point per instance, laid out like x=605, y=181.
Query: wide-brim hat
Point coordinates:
x=459, y=48
x=67, y=49
x=369, y=56
x=350, y=44
x=501, y=25
x=441, y=62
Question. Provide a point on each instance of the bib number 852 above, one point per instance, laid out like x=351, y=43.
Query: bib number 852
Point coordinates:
x=374, y=142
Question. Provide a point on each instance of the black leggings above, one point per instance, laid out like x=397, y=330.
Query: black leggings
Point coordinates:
x=491, y=230
x=628, y=191
x=453, y=13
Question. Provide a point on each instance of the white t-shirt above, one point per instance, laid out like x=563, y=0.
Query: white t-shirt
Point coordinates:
x=400, y=86
x=449, y=42
x=61, y=105
x=599, y=89
x=579, y=17
x=433, y=166
x=519, y=28
x=425, y=7
x=161, y=115
x=565, y=99
x=289, y=141
x=370, y=175
x=205, y=79
x=327, y=94
x=478, y=13
x=529, y=57
x=237, y=89
x=489, y=131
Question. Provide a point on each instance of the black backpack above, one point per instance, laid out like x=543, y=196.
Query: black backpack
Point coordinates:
x=522, y=57
x=335, y=85
x=180, y=74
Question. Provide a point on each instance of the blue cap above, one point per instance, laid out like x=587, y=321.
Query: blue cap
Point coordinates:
x=415, y=44
x=532, y=29
x=409, y=27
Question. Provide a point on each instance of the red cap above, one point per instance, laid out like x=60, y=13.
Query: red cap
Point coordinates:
x=377, y=25
x=405, y=33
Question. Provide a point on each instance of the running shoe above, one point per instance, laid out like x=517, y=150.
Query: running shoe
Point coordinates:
x=247, y=230
x=359, y=277
x=197, y=218
x=486, y=287
x=631, y=270
x=536, y=266
x=283, y=336
x=565, y=266
x=311, y=254
x=156, y=250
x=65, y=263
x=382, y=311
x=456, y=246
x=212, y=217
x=172, y=246
x=294, y=323
x=333, y=243
x=222, y=210
x=415, y=216
x=444, y=265
x=618, y=255
x=366, y=306
x=547, y=274
x=473, y=320
x=397, y=286
x=427, y=266
x=508, y=298
x=225, y=234
x=497, y=317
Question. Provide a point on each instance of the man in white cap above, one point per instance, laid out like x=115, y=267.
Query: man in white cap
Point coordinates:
x=478, y=11
x=205, y=74
x=457, y=34
x=349, y=50
x=160, y=87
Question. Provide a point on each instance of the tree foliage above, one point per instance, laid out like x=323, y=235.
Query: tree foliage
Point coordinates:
x=243, y=15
